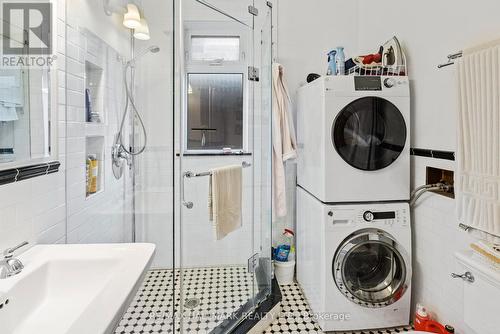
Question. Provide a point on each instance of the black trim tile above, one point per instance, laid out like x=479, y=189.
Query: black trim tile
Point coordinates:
x=436, y=154
x=28, y=172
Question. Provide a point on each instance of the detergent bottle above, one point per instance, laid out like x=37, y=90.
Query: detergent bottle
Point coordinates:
x=332, y=68
x=421, y=318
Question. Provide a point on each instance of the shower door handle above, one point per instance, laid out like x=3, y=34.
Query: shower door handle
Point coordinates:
x=188, y=205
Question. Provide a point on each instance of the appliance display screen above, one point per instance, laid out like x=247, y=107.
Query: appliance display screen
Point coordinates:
x=367, y=83
x=384, y=215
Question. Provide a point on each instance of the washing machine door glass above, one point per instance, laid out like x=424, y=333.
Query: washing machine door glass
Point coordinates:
x=370, y=269
x=369, y=133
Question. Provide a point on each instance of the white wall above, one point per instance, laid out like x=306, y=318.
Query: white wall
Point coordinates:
x=308, y=30
x=429, y=31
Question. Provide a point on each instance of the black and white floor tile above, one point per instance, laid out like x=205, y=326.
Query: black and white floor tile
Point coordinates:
x=297, y=318
x=210, y=296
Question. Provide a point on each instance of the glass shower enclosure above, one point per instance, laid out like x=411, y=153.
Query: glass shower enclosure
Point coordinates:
x=147, y=112
x=223, y=119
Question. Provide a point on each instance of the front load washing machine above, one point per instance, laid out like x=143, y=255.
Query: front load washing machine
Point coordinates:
x=353, y=137
x=354, y=262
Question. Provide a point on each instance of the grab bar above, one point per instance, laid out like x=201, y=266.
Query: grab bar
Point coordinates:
x=188, y=205
x=189, y=174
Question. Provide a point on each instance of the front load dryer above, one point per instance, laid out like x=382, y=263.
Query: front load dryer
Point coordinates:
x=354, y=263
x=354, y=138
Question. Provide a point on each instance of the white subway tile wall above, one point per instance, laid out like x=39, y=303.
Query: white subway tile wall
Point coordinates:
x=436, y=237
x=36, y=209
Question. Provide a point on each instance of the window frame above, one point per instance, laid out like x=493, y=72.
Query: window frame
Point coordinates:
x=216, y=29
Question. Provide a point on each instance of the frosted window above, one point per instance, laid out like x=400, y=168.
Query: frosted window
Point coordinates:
x=215, y=111
x=211, y=48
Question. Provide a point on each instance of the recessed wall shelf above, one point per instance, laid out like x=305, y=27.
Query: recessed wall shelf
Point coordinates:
x=94, y=93
x=94, y=173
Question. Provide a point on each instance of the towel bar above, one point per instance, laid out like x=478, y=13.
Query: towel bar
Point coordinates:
x=190, y=174
x=451, y=59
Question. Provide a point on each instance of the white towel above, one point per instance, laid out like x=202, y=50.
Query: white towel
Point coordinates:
x=477, y=178
x=284, y=140
x=8, y=113
x=224, y=199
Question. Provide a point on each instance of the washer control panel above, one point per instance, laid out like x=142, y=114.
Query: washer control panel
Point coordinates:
x=399, y=217
x=365, y=215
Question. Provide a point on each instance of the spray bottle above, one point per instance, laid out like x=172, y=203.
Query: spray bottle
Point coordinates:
x=340, y=61
x=332, y=68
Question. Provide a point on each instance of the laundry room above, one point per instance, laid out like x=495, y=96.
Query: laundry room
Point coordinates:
x=433, y=38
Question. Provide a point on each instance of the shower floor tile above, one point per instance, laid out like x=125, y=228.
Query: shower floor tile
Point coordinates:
x=210, y=296
x=213, y=294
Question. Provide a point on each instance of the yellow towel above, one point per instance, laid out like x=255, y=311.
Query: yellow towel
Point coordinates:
x=224, y=199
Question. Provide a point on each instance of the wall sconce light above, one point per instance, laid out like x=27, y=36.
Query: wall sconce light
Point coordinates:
x=142, y=32
x=132, y=18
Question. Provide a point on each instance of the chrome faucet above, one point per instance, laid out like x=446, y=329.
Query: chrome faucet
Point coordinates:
x=9, y=265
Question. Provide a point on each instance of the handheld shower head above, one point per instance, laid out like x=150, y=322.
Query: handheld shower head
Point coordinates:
x=152, y=49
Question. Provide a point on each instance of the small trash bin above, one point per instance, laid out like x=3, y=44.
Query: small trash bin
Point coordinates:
x=284, y=272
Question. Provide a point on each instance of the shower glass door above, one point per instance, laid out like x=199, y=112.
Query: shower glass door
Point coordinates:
x=223, y=119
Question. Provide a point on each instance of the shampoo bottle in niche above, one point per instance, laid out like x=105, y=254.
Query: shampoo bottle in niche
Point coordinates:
x=93, y=171
x=332, y=69
x=340, y=61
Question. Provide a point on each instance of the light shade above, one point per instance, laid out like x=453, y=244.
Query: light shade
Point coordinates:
x=132, y=18
x=142, y=32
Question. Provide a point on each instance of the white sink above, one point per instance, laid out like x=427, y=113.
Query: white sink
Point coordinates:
x=72, y=288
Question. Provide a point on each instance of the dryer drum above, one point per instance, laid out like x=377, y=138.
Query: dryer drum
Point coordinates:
x=371, y=269
x=369, y=133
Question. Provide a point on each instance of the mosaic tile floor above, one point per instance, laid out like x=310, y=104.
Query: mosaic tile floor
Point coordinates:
x=211, y=295
x=296, y=316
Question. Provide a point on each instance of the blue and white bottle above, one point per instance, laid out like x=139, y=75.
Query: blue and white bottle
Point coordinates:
x=340, y=61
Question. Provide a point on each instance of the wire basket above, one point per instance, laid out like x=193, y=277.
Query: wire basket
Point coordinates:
x=379, y=70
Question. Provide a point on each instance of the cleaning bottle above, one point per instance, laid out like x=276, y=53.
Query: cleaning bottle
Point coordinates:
x=340, y=61
x=332, y=69
x=283, y=250
x=421, y=318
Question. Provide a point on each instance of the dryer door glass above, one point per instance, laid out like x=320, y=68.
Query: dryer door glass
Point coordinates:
x=369, y=133
x=370, y=269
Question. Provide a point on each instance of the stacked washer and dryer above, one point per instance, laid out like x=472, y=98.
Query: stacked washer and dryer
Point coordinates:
x=353, y=187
